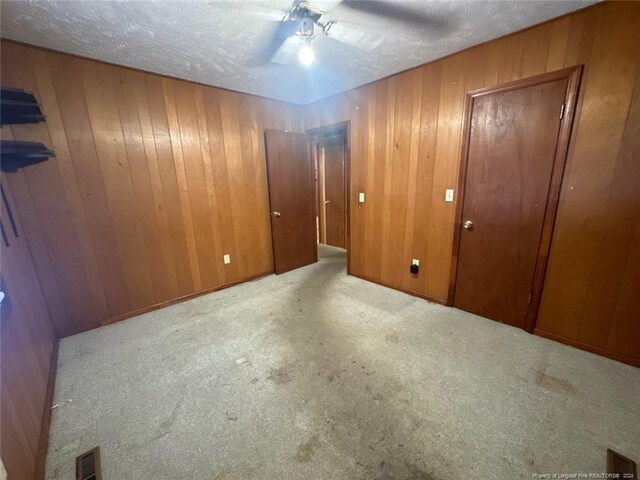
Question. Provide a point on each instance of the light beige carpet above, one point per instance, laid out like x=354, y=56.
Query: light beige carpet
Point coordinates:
x=317, y=375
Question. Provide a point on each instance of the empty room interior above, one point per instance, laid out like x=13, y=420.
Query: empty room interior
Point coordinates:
x=327, y=239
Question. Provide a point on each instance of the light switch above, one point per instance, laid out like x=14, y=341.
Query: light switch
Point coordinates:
x=227, y=259
x=448, y=195
x=361, y=197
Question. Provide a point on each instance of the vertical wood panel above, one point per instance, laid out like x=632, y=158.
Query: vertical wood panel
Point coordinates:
x=535, y=51
x=376, y=196
x=253, y=225
x=624, y=335
x=387, y=193
x=511, y=58
x=77, y=130
x=167, y=169
x=399, y=164
x=194, y=186
x=221, y=185
x=31, y=229
x=43, y=185
x=613, y=260
x=181, y=179
x=136, y=155
x=159, y=207
x=448, y=144
x=558, y=43
x=414, y=155
x=424, y=176
x=99, y=82
x=59, y=143
x=363, y=242
x=212, y=210
x=238, y=197
x=360, y=131
x=607, y=91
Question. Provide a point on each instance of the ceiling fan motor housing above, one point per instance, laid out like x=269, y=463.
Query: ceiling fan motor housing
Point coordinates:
x=307, y=10
x=307, y=27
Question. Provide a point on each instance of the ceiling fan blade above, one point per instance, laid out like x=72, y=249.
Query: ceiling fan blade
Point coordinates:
x=355, y=35
x=395, y=10
x=281, y=32
x=326, y=5
x=287, y=54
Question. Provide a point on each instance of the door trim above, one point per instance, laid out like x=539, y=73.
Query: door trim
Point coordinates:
x=347, y=176
x=573, y=76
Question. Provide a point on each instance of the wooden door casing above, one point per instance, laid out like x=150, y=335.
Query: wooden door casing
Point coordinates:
x=291, y=198
x=499, y=264
x=334, y=192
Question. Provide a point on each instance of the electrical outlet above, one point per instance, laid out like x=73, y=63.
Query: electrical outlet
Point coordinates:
x=448, y=195
x=227, y=259
x=414, y=268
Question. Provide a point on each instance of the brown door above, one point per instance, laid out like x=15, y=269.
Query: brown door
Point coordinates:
x=334, y=188
x=291, y=198
x=511, y=152
x=27, y=342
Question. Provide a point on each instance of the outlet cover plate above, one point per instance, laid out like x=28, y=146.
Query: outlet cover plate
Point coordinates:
x=448, y=195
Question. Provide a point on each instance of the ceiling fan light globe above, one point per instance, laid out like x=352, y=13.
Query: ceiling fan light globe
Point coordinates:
x=306, y=55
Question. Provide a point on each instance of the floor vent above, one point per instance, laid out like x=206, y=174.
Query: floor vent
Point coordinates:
x=88, y=465
x=623, y=466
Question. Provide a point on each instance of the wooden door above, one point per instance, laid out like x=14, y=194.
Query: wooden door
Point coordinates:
x=291, y=198
x=512, y=139
x=27, y=344
x=334, y=192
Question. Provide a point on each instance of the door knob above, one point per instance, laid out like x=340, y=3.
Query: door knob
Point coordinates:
x=327, y=201
x=276, y=214
x=468, y=225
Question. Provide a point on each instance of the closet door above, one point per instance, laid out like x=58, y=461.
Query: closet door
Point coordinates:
x=511, y=159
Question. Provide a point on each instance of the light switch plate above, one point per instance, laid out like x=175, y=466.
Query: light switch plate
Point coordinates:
x=448, y=195
x=361, y=197
x=227, y=259
x=415, y=261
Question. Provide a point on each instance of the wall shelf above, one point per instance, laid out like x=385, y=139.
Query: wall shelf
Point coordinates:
x=16, y=155
x=19, y=106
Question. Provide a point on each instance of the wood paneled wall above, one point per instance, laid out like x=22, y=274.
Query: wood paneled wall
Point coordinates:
x=405, y=151
x=28, y=348
x=155, y=179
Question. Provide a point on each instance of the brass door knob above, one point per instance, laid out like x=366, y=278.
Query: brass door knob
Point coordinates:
x=327, y=201
x=468, y=225
x=276, y=214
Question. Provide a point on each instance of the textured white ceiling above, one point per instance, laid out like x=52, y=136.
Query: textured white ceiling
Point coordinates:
x=214, y=42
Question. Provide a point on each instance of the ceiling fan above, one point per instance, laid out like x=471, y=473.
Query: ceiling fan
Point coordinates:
x=305, y=18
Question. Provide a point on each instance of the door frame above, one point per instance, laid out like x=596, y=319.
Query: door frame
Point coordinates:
x=347, y=176
x=573, y=75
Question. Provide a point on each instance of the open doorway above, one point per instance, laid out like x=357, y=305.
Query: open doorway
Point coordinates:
x=330, y=155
